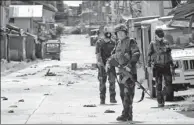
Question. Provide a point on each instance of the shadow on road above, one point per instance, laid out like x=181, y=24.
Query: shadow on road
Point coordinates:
x=177, y=98
x=132, y=122
x=182, y=98
x=189, y=114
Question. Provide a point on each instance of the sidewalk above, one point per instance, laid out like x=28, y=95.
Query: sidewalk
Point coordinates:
x=13, y=66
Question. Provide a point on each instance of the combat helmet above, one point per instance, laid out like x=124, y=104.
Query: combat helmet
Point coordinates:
x=121, y=27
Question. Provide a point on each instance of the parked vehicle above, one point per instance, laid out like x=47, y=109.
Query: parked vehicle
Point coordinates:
x=53, y=49
x=182, y=53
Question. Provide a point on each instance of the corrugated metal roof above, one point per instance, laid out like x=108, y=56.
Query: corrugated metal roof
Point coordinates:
x=25, y=11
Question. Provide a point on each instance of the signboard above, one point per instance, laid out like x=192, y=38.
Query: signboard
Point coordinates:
x=25, y=11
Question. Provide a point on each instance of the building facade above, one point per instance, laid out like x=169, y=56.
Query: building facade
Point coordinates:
x=93, y=12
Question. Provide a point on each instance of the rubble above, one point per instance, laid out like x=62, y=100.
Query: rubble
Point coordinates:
x=91, y=105
x=11, y=111
x=4, y=98
x=13, y=106
x=50, y=73
x=21, y=100
x=109, y=111
x=27, y=89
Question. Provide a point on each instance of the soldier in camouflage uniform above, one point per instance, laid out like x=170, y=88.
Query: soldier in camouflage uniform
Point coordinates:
x=126, y=54
x=104, y=47
x=161, y=60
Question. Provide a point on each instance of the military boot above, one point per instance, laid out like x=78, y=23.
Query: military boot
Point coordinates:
x=102, y=101
x=113, y=100
x=160, y=99
x=161, y=104
x=124, y=118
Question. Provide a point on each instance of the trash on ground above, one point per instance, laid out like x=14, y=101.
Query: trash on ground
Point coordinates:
x=10, y=111
x=13, y=106
x=70, y=82
x=21, y=100
x=92, y=105
x=60, y=84
x=109, y=111
x=27, y=89
x=4, y=98
x=50, y=73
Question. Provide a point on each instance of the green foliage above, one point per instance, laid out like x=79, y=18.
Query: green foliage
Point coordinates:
x=59, y=30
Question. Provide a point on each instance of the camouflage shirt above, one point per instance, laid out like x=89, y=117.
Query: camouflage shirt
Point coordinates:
x=105, y=49
x=127, y=46
x=159, y=53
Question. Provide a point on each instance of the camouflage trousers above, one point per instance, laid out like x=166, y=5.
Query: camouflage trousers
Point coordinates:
x=160, y=73
x=127, y=92
x=102, y=77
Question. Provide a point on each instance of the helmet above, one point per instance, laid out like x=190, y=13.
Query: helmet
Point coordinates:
x=121, y=27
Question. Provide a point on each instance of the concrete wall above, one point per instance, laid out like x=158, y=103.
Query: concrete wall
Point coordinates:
x=30, y=48
x=3, y=41
x=17, y=48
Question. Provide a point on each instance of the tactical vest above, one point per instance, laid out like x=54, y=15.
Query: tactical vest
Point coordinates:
x=106, y=48
x=161, y=55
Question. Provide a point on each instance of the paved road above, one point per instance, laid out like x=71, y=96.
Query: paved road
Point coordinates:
x=48, y=102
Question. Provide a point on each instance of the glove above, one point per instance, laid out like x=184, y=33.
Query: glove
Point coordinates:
x=127, y=68
x=107, y=67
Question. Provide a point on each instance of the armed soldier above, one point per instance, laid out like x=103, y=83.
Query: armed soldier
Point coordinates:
x=161, y=60
x=104, y=47
x=125, y=57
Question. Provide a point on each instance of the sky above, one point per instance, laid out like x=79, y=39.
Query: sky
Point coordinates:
x=73, y=3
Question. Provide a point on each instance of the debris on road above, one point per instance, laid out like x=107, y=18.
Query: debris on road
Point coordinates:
x=15, y=81
x=92, y=116
x=27, y=89
x=60, y=84
x=22, y=75
x=50, y=73
x=92, y=105
x=13, y=106
x=4, y=98
x=46, y=94
x=109, y=111
x=70, y=82
x=21, y=100
x=74, y=66
x=10, y=111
